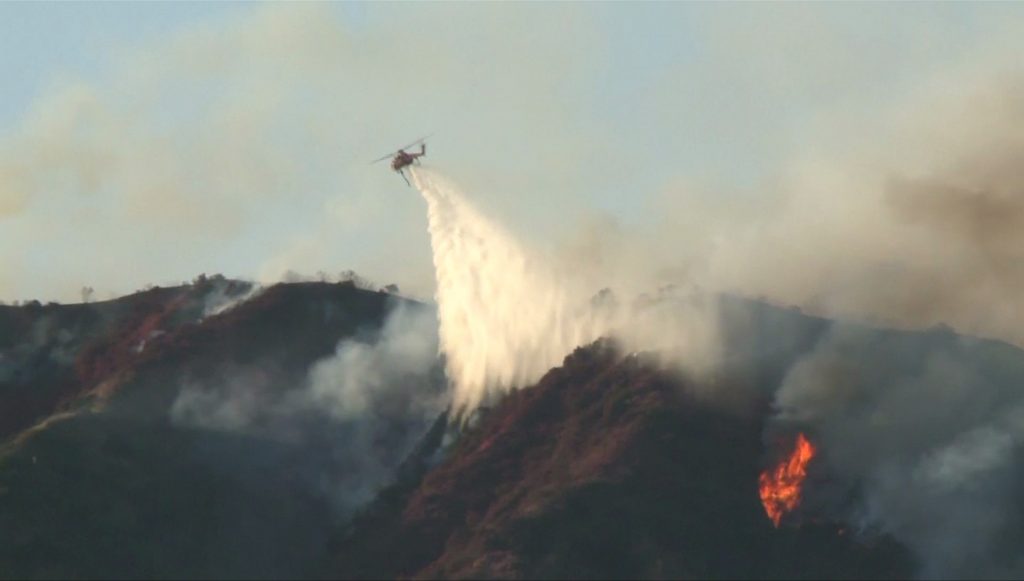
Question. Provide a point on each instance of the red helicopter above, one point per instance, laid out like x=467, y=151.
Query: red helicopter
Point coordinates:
x=402, y=159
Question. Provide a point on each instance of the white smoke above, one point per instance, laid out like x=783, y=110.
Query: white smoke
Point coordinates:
x=931, y=428
x=222, y=299
x=368, y=403
x=236, y=404
x=363, y=378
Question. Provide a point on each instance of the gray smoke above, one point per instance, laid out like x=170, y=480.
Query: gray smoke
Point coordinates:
x=224, y=297
x=927, y=429
x=359, y=411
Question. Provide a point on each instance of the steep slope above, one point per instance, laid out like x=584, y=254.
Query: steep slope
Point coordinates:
x=188, y=444
x=101, y=498
x=123, y=481
x=607, y=468
x=52, y=354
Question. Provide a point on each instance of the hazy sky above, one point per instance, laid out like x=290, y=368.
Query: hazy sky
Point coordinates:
x=148, y=142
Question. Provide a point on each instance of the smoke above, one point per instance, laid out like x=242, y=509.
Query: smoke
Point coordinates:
x=242, y=145
x=918, y=229
x=910, y=220
x=40, y=340
x=226, y=295
x=910, y=216
x=914, y=223
x=392, y=372
x=387, y=394
x=359, y=412
x=507, y=314
x=237, y=402
x=928, y=429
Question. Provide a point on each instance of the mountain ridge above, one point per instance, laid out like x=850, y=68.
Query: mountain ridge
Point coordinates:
x=611, y=465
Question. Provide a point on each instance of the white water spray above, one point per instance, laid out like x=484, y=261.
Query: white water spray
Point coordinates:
x=505, y=316
x=508, y=315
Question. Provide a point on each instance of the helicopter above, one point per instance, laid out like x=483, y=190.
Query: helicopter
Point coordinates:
x=402, y=159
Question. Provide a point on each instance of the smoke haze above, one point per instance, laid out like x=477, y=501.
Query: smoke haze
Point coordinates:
x=240, y=145
x=915, y=231
x=247, y=144
x=368, y=404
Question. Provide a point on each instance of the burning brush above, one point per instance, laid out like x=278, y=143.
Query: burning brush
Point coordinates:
x=780, y=487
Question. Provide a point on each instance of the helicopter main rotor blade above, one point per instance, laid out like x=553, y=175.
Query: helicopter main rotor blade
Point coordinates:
x=417, y=142
x=393, y=153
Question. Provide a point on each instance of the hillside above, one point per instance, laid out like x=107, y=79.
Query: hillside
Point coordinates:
x=612, y=467
x=141, y=465
x=302, y=433
x=607, y=468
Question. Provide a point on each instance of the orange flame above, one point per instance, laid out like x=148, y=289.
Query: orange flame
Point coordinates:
x=780, y=487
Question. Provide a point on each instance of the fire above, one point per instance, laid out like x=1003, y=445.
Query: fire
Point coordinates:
x=780, y=486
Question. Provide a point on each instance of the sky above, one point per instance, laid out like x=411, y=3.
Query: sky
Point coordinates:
x=145, y=143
